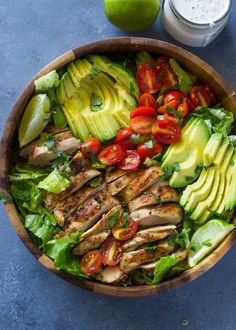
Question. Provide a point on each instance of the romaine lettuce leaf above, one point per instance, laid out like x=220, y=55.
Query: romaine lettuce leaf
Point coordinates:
x=162, y=268
x=23, y=171
x=55, y=182
x=218, y=120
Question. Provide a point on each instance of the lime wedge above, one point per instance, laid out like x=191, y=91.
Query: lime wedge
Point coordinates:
x=206, y=239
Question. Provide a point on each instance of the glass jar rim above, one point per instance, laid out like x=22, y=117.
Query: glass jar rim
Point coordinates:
x=200, y=25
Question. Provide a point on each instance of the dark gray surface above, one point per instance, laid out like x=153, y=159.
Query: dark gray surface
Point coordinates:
x=32, y=33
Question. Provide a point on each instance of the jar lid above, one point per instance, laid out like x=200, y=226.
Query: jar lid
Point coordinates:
x=201, y=13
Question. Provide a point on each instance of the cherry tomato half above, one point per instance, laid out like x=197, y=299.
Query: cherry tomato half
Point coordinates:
x=131, y=162
x=124, y=233
x=173, y=95
x=165, y=73
x=122, y=134
x=143, y=111
x=91, y=262
x=147, y=79
x=166, y=131
x=112, y=155
x=142, y=124
x=191, y=106
x=164, y=108
x=93, y=144
x=202, y=96
x=183, y=108
x=126, y=144
x=144, y=150
x=112, y=251
x=147, y=100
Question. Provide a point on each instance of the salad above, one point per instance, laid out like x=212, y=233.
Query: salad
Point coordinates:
x=125, y=169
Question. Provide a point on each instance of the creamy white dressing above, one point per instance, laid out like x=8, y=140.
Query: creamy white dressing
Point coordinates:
x=202, y=11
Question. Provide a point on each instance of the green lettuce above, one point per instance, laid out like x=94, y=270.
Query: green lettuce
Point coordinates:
x=218, y=120
x=23, y=171
x=55, y=182
x=163, y=266
x=60, y=250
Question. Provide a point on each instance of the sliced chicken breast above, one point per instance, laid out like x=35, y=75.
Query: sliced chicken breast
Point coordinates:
x=116, y=186
x=111, y=275
x=147, y=236
x=93, y=208
x=141, y=182
x=154, y=195
x=102, y=223
x=152, y=216
x=91, y=242
x=63, y=209
x=180, y=255
x=113, y=173
x=78, y=162
x=132, y=260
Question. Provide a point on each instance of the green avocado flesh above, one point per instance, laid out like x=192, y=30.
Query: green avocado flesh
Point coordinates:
x=214, y=191
x=188, y=153
x=97, y=96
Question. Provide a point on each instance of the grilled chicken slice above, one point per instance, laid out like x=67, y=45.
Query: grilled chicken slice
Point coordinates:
x=111, y=275
x=67, y=206
x=113, y=173
x=43, y=156
x=180, y=255
x=152, y=216
x=132, y=260
x=102, y=223
x=147, y=236
x=29, y=149
x=78, y=181
x=91, y=242
x=141, y=182
x=154, y=195
x=116, y=186
x=78, y=162
x=92, y=211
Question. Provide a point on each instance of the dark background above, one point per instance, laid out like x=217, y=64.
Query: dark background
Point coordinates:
x=32, y=33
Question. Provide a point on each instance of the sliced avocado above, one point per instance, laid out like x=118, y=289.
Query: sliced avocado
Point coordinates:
x=211, y=148
x=65, y=90
x=221, y=186
x=202, y=193
x=144, y=57
x=176, y=152
x=230, y=192
x=185, y=82
x=72, y=110
x=188, y=153
x=58, y=116
x=117, y=72
x=193, y=187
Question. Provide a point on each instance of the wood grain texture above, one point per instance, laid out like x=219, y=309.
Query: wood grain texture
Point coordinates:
x=112, y=46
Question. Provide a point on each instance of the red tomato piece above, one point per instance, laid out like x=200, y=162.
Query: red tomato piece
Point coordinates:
x=142, y=124
x=131, y=162
x=183, y=108
x=191, y=106
x=93, y=144
x=123, y=233
x=147, y=79
x=91, y=262
x=147, y=100
x=112, y=251
x=165, y=73
x=126, y=144
x=166, y=131
x=144, y=150
x=122, y=134
x=143, y=111
x=202, y=96
x=173, y=95
x=164, y=108
x=112, y=155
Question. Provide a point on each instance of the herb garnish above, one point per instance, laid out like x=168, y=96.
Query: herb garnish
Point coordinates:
x=180, y=240
x=80, y=207
x=174, y=112
x=96, y=103
x=149, y=144
x=96, y=163
x=94, y=71
x=176, y=167
x=96, y=182
x=125, y=222
x=113, y=219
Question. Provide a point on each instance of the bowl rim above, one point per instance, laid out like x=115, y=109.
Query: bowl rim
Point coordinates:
x=123, y=44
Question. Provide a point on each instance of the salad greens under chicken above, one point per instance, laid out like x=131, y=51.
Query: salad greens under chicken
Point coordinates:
x=125, y=169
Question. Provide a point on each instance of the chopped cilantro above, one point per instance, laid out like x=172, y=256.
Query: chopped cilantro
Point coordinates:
x=149, y=144
x=96, y=103
x=125, y=222
x=198, y=170
x=174, y=112
x=94, y=159
x=176, y=167
x=80, y=206
x=113, y=219
x=96, y=182
x=179, y=240
x=152, y=246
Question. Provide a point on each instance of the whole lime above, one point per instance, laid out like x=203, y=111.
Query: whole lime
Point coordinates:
x=132, y=15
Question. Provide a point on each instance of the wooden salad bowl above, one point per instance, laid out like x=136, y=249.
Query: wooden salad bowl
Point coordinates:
x=110, y=46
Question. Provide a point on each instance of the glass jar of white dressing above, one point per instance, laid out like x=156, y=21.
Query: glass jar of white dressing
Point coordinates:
x=195, y=23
